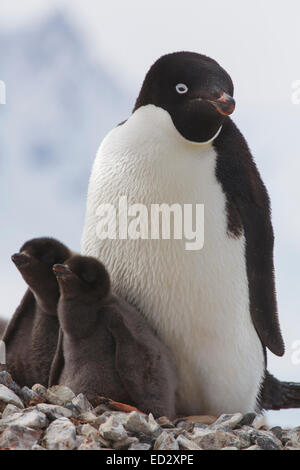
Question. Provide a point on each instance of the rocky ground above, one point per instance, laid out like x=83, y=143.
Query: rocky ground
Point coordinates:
x=40, y=419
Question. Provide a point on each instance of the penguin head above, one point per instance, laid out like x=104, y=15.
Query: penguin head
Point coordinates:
x=36, y=258
x=194, y=89
x=83, y=277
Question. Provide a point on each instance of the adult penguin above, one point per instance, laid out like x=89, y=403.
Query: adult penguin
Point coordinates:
x=215, y=308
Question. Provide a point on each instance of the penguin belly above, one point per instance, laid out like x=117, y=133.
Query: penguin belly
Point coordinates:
x=196, y=301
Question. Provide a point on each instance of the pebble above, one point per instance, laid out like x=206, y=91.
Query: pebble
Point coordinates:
x=213, y=439
x=6, y=379
x=89, y=443
x=230, y=420
x=60, y=435
x=19, y=438
x=292, y=438
x=9, y=410
x=140, y=446
x=30, y=418
x=125, y=443
x=57, y=419
x=63, y=393
x=112, y=429
x=37, y=447
x=8, y=396
x=82, y=403
x=29, y=397
x=47, y=395
x=166, y=441
x=187, y=444
x=136, y=422
x=54, y=411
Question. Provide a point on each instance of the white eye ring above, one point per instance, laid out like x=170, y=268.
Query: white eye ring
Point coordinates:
x=181, y=88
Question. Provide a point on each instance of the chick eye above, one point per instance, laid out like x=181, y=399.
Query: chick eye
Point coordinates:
x=181, y=88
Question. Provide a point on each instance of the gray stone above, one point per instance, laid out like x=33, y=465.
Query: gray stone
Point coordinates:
x=54, y=411
x=140, y=446
x=214, y=439
x=8, y=396
x=125, y=443
x=87, y=430
x=6, y=379
x=29, y=418
x=248, y=419
x=88, y=417
x=166, y=441
x=10, y=410
x=63, y=393
x=229, y=448
x=265, y=439
x=90, y=443
x=254, y=447
x=292, y=438
x=60, y=435
x=120, y=416
x=47, y=395
x=91, y=436
x=267, y=444
x=243, y=439
x=19, y=438
x=164, y=422
x=230, y=420
x=37, y=447
x=82, y=403
x=277, y=431
x=75, y=411
x=137, y=422
x=186, y=444
x=29, y=397
x=112, y=429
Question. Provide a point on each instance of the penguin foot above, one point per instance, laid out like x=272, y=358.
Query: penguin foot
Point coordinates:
x=203, y=419
x=115, y=405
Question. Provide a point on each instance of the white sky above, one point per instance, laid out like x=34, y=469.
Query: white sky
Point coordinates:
x=248, y=38
x=257, y=42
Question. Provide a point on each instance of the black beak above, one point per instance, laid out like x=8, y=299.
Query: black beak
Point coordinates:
x=20, y=259
x=225, y=104
x=62, y=270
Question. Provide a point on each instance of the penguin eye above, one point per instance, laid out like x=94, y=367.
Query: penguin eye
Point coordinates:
x=181, y=88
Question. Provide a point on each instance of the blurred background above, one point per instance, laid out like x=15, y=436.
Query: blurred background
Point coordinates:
x=72, y=71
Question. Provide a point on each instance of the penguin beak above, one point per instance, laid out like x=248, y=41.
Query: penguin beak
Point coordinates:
x=20, y=259
x=62, y=270
x=225, y=104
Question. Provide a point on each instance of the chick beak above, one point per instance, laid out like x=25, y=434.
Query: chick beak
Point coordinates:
x=20, y=259
x=62, y=270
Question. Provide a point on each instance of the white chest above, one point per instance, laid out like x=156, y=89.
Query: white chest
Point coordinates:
x=196, y=300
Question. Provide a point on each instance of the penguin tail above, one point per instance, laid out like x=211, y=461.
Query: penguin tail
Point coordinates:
x=278, y=395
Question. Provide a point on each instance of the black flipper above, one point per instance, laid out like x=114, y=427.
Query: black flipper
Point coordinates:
x=248, y=210
x=277, y=395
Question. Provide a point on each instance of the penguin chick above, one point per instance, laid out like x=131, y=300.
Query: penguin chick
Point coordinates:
x=106, y=346
x=31, y=336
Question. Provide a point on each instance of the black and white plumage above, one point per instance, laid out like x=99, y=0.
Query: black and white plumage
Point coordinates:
x=214, y=308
